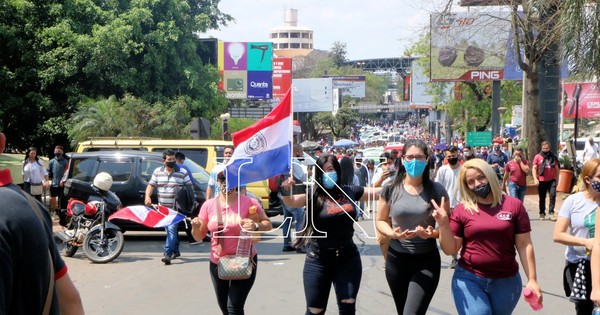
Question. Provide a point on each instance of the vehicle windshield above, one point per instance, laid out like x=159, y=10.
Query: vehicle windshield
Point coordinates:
x=199, y=174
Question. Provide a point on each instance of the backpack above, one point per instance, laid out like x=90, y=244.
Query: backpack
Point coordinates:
x=185, y=200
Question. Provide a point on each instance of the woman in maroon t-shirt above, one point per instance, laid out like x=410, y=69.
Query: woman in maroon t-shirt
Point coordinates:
x=487, y=227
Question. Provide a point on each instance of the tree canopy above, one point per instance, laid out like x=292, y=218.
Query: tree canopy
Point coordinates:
x=60, y=56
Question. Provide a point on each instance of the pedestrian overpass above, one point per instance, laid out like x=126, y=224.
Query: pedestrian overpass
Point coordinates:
x=399, y=65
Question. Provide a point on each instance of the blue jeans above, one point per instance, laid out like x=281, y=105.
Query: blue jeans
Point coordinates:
x=293, y=214
x=323, y=266
x=475, y=295
x=172, y=244
x=516, y=190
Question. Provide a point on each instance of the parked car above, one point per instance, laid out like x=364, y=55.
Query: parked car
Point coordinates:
x=131, y=171
x=205, y=153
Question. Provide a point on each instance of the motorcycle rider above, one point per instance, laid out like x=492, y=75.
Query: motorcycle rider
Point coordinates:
x=166, y=178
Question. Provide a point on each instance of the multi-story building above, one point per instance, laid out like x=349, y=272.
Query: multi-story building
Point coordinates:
x=291, y=40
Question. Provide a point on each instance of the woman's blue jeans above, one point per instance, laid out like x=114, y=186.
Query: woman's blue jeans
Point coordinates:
x=475, y=295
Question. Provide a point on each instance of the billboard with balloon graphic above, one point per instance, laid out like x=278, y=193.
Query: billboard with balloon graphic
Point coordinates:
x=246, y=69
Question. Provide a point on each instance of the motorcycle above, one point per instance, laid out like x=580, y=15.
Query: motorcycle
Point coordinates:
x=86, y=225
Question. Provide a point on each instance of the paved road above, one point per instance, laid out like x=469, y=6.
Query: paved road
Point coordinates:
x=138, y=283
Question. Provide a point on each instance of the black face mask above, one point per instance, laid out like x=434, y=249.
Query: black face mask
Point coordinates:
x=170, y=164
x=482, y=191
x=453, y=161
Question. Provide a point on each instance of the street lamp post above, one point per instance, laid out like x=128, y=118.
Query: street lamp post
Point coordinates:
x=501, y=111
x=225, y=126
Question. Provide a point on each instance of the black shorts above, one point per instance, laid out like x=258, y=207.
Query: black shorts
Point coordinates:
x=56, y=191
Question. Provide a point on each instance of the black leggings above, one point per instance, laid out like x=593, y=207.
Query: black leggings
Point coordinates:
x=232, y=294
x=413, y=279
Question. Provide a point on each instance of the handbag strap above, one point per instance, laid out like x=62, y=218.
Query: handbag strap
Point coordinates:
x=38, y=214
x=219, y=210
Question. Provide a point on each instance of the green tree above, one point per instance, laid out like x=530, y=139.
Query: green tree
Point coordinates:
x=56, y=54
x=580, y=24
x=339, y=53
x=340, y=123
x=130, y=117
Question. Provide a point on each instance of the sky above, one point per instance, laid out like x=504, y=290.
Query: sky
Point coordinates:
x=370, y=29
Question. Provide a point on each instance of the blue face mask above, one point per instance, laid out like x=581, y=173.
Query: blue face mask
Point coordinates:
x=329, y=179
x=415, y=168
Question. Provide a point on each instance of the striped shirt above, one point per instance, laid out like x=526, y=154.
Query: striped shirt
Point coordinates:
x=166, y=183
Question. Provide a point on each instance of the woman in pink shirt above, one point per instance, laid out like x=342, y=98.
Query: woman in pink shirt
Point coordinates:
x=235, y=215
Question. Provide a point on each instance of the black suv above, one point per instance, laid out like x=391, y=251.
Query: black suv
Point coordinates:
x=131, y=171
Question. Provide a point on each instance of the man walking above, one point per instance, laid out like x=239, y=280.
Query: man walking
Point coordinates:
x=167, y=178
x=447, y=175
x=515, y=174
x=293, y=214
x=545, y=175
x=497, y=159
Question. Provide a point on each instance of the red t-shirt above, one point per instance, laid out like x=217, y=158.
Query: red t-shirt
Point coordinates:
x=516, y=172
x=549, y=168
x=489, y=237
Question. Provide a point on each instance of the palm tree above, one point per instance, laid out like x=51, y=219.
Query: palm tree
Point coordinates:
x=581, y=30
x=104, y=118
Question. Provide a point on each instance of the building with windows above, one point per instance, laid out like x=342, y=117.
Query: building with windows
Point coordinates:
x=291, y=40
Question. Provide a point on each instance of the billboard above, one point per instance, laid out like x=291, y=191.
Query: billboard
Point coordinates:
x=419, y=85
x=246, y=69
x=469, y=46
x=313, y=95
x=282, y=76
x=353, y=86
x=589, y=100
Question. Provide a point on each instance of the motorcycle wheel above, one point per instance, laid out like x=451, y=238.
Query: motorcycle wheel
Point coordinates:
x=69, y=250
x=103, y=249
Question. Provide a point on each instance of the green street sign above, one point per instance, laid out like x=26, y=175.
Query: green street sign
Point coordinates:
x=479, y=138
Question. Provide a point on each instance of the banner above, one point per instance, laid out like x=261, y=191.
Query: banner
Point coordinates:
x=469, y=46
x=589, y=100
x=246, y=69
x=282, y=76
x=350, y=85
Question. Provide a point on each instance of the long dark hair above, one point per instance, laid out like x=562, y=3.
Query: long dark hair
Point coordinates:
x=37, y=156
x=347, y=171
x=317, y=196
x=394, y=192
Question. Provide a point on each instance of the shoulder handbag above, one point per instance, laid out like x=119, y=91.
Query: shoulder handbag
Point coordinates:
x=36, y=189
x=232, y=267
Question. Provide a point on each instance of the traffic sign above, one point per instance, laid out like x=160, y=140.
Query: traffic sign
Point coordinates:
x=479, y=138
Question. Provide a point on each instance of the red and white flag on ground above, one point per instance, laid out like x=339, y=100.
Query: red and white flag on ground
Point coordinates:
x=160, y=216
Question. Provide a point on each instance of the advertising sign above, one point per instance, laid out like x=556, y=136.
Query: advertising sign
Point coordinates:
x=313, y=95
x=469, y=46
x=353, y=86
x=479, y=138
x=419, y=84
x=407, y=88
x=282, y=76
x=517, y=115
x=247, y=69
x=589, y=100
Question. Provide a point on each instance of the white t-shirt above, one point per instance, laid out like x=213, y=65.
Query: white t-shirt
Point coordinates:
x=448, y=177
x=581, y=213
x=590, y=152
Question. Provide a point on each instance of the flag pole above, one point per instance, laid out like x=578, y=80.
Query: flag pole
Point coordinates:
x=291, y=91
